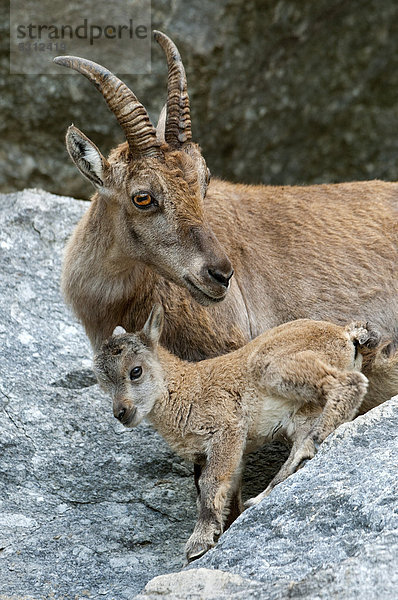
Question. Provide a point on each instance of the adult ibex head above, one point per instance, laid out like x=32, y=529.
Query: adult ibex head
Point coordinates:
x=155, y=182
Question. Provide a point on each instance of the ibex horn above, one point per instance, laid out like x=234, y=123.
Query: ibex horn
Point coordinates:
x=178, y=120
x=130, y=113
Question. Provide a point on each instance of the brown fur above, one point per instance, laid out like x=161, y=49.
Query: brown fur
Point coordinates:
x=325, y=252
x=321, y=252
x=299, y=380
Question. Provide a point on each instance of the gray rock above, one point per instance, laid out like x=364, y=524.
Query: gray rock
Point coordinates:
x=329, y=531
x=282, y=92
x=85, y=505
x=198, y=584
x=90, y=509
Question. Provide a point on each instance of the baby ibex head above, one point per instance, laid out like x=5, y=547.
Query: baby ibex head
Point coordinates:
x=128, y=369
x=155, y=183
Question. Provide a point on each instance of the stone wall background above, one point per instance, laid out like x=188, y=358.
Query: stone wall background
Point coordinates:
x=282, y=92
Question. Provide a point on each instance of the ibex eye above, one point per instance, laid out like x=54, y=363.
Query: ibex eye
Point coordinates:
x=144, y=200
x=135, y=373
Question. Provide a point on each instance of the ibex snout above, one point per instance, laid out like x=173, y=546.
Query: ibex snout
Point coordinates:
x=213, y=276
x=216, y=274
x=220, y=274
x=124, y=412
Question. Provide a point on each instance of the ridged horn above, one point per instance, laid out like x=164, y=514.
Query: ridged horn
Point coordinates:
x=178, y=120
x=128, y=110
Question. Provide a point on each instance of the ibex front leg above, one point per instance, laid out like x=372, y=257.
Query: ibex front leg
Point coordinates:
x=235, y=504
x=216, y=483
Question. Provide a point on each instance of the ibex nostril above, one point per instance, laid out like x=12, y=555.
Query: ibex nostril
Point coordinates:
x=121, y=414
x=220, y=277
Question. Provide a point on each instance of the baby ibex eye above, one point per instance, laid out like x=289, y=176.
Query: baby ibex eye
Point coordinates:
x=135, y=373
x=144, y=200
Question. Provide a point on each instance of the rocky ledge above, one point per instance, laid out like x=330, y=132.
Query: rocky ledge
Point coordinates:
x=89, y=509
x=329, y=531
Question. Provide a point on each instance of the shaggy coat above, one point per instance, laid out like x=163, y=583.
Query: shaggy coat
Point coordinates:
x=299, y=380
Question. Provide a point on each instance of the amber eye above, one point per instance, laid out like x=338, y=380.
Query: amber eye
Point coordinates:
x=143, y=200
x=135, y=373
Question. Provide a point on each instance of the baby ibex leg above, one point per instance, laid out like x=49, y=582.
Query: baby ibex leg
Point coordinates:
x=197, y=471
x=341, y=395
x=235, y=505
x=217, y=477
x=344, y=396
x=289, y=467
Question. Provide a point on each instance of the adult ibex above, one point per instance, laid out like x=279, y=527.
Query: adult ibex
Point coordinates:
x=157, y=229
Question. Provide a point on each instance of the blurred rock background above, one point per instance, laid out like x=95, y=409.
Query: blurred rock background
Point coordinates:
x=282, y=92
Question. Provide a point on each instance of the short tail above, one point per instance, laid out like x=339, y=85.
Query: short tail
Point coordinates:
x=380, y=363
x=363, y=335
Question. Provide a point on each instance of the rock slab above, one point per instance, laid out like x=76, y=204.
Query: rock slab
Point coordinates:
x=88, y=509
x=328, y=532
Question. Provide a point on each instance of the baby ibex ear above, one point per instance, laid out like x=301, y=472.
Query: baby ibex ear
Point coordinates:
x=153, y=328
x=119, y=330
x=86, y=156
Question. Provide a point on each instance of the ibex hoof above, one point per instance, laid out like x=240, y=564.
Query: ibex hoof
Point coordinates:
x=256, y=500
x=250, y=502
x=197, y=551
x=195, y=548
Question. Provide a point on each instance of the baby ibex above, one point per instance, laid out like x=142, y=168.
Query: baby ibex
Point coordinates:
x=299, y=380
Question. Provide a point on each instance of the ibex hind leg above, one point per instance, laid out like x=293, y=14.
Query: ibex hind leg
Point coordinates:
x=343, y=394
x=298, y=453
x=301, y=378
x=344, y=397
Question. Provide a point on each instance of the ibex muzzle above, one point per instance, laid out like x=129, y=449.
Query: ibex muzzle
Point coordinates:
x=154, y=185
x=124, y=412
x=213, y=276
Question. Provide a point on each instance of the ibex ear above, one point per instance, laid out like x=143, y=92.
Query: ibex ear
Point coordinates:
x=119, y=330
x=161, y=126
x=203, y=172
x=86, y=156
x=153, y=328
